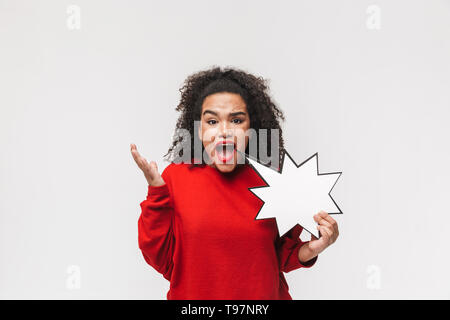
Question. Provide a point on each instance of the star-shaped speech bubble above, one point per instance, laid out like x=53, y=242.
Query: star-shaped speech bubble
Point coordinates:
x=295, y=193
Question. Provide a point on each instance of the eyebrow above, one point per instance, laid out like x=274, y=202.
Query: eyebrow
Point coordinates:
x=231, y=114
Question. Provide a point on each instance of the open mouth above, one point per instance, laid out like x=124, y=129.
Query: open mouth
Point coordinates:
x=225, y=150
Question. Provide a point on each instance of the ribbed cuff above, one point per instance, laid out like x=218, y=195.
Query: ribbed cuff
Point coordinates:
x=158, y=190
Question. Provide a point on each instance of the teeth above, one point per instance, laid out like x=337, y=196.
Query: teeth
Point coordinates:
x=228, y=145
x=225, y=147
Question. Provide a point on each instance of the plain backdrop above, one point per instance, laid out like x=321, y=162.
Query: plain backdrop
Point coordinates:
x=366, y=84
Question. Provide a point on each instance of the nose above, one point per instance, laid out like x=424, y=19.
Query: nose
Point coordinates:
x=225, y=131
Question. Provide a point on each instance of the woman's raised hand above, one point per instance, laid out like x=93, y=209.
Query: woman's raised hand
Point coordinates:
x=150, y=170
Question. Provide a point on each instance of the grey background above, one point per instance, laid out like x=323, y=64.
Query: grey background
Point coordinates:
x=373, y=103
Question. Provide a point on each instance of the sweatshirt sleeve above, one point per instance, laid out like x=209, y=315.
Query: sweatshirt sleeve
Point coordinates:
x=155, y=228
x=287, y=248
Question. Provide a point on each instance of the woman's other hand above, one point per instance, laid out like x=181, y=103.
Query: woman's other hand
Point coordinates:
x=329, y=231
x=150, y=170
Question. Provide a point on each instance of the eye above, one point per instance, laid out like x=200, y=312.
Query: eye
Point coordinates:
x=237, y=121
x=211, y=122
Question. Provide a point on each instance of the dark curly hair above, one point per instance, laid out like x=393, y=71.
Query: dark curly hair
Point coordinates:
x=263, y=112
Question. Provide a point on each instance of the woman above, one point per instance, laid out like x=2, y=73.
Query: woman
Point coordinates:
x=197, y=226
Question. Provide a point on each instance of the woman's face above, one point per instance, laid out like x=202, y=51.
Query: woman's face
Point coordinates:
x=224, y=123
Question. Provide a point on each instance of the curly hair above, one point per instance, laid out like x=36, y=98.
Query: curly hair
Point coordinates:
x=263, y=112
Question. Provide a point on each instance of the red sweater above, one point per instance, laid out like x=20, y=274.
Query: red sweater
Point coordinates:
x=199, y=231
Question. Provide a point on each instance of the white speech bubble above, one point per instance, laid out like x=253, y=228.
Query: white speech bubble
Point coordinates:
x=295, y=193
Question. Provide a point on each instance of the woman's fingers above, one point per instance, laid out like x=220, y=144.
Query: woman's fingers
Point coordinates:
x=321, y=221
x=326, y=233
x=136, y=156
x=324, y=236
x=140, y=160
x=325, y=216
x=145, y=165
